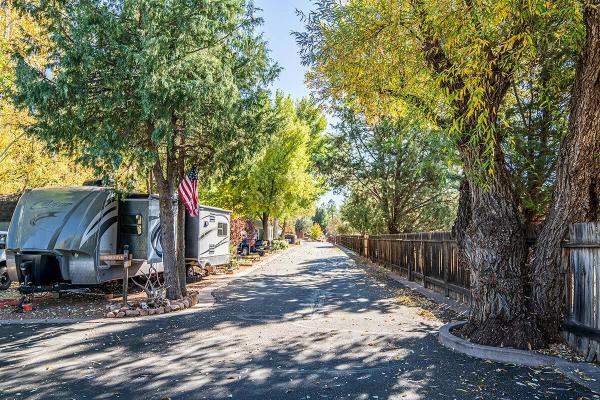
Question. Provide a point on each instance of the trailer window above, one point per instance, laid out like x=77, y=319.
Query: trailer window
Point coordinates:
x=2, y=241
x=131, y=224
x=222, y=229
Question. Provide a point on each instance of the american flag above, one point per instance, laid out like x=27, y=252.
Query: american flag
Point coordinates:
x=188, y=192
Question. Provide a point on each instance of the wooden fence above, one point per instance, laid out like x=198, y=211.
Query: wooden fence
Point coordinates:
x=432, y=260
x=581, y=264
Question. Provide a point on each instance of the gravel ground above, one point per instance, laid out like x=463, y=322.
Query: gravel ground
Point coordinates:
x=309, y=325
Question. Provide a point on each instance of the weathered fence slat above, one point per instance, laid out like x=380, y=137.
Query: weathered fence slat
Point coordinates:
x=429, y=257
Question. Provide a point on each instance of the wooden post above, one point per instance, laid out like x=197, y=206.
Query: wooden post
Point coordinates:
x=366, y=246
x=444, y=260
x=126, y=265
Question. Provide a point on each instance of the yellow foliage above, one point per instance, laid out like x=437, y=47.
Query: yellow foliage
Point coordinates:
x=25, y=162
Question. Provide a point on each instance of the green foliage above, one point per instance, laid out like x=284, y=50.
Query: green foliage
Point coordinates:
x=449, y=62
x=398, y=167
x=303, y=224
x=278, y=182
x=362, y=214
x=315, y=231
x=279, y=245
x=132, y=87
x=320, y=217
x=25, y=161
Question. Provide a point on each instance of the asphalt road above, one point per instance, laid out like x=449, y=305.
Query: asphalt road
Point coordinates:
x=308, y=325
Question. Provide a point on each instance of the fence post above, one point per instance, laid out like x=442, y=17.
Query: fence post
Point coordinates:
x=444, y=261
x=410, y=257
x=366, y=246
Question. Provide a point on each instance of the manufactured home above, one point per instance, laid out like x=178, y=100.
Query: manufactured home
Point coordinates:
x=67, y=236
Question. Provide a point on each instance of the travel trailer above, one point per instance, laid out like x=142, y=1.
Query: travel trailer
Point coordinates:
x=207, y=237
x=71, y=237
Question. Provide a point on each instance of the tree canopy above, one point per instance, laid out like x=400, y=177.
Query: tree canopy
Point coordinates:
x=148, y=85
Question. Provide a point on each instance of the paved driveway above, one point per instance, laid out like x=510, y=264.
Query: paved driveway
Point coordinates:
x=308, y=325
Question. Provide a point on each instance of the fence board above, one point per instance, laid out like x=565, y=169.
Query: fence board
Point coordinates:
x=432, y=259
x=429, y=257
x=581, y=264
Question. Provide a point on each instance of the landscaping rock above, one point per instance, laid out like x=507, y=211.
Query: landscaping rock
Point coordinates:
x=160, y=310
x=168, y=309
x=132, y=313
x=186, y=303
x=151, y=311
x=143, y=313
x=120, y=314
x=110, y=315
x=175, y=307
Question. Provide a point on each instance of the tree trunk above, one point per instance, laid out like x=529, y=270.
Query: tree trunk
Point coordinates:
x=275, y=228
x=180, y=229
x=491, y=241
x=284, y=227
x=577, y=193
x=181, y=267
x=167, y=232
x=265, y=224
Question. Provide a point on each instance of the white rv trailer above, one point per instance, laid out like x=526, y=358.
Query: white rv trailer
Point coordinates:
x=207, y=237
x=64, y=236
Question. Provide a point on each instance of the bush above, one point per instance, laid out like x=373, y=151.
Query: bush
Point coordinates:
x=316, y=232
x=279, y=245
x=234, y=263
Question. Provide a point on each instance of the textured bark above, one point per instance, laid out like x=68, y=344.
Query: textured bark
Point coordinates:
x=165, y=186
x=491, y=241
x=577, y=192
x=265, y=224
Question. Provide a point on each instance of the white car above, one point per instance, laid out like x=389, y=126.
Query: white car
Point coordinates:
x=4, y=279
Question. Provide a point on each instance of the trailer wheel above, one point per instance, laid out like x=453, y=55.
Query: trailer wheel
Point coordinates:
x=4, y=279
x=245, y=251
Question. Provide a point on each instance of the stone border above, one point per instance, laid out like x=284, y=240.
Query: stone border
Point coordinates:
x=585, y=374
x=205, y=301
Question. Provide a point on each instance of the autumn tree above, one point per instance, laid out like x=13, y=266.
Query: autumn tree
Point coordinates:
x=279, y=183
x=163, y=85
x=25, y=161
x=452, y=63
x=576, y=197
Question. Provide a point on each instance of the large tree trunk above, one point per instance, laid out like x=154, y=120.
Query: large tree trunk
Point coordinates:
x=265, y=224
x=167, y=231
x=577, y=192
x=491, y=241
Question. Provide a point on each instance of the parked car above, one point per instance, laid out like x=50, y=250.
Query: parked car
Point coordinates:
x=4, y=278
x=244, y=248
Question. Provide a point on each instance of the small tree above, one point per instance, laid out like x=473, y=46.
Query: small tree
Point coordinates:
x=315, y=231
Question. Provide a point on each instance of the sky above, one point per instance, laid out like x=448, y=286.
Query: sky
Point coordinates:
x=280, y=20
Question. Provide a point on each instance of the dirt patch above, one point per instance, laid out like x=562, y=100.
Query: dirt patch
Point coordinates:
x=88, y=303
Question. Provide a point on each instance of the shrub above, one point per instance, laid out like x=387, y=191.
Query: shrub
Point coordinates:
x=316, y=232
x=279, y=244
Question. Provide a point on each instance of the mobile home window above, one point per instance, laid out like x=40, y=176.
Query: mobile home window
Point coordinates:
x=222, y=229
x=131, y=224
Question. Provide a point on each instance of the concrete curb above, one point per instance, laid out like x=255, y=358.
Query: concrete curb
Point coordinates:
x=585, y=374
x=205, y=301
x=457, y=307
